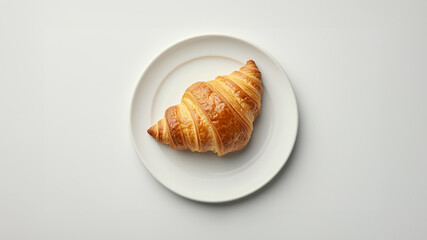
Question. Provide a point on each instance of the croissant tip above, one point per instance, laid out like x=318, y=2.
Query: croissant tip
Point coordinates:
x=251, y=64
x=152, y=132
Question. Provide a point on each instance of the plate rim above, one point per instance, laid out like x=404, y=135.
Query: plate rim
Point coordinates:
x=161, y=53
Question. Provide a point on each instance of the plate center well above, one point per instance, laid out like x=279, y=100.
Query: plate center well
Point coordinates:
x=208, y=165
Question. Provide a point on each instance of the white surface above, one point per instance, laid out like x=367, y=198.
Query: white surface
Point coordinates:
x=68, y=169
x=206, y=177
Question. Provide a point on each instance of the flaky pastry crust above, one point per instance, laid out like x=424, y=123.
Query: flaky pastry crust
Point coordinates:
x=216, y=115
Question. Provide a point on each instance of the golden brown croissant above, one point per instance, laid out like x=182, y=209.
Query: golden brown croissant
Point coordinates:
x=214, y=116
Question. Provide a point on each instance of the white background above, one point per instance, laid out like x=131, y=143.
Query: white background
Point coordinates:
x=68, y=169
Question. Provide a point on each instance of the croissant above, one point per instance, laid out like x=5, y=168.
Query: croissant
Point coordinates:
x=216, y=115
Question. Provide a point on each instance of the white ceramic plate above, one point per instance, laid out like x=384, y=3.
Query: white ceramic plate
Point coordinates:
x=204, y=176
